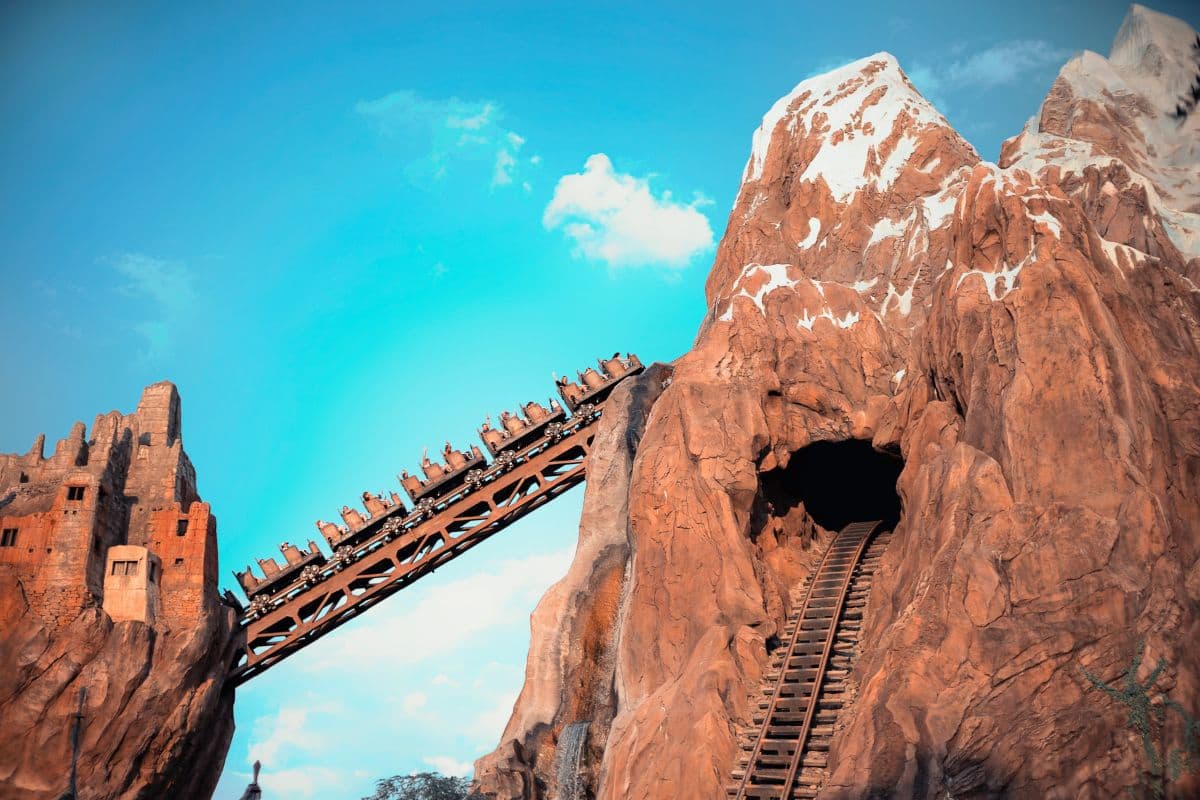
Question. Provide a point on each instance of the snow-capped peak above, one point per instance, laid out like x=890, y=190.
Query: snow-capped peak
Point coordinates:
x=1155, y=52
x=851, y=113
x=1137, y=108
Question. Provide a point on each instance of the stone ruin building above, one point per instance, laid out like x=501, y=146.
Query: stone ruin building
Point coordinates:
x=113, y=519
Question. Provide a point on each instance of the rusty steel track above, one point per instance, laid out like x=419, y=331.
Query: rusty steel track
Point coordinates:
x=782, y=759
x=399, y=550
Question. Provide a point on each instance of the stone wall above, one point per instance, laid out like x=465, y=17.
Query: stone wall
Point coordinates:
x=186, y=541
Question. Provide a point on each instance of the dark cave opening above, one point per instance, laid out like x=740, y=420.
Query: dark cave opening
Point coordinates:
x=838, y=483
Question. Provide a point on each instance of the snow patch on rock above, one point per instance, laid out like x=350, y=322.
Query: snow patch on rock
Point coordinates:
x=1047, y=219
x=887, y=228
x=940, y=206
x=998, y=283
x=814, y=230
x=851, y=111
x=807, y=320
x=1115, y=250
x=902, y=300
x=1183, y=229
x=777, y=278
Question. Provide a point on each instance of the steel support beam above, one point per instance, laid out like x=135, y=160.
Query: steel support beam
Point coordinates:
x=400, y=551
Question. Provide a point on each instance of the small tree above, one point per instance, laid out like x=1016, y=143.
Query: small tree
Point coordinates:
x=1148, y=717
x=421, y=786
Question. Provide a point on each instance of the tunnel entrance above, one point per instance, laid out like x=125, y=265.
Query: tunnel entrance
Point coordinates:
x=838, y=483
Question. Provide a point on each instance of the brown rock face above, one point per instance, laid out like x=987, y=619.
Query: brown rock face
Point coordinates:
x=572, y=661
x=1019, y=344
x=108, y=584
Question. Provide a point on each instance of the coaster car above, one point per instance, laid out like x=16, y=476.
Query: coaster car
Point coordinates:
x=358, y=528
x=335, y=535
x=277, y=577
x=441, y=478
x=352, y=517
x=518, y=430
x=593, y=386
x=378, y=505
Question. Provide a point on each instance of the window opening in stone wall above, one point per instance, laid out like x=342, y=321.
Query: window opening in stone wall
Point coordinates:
x=179, y=562
x=181, y=528
x=75, y=492
x=124, y=568
x=152, y=572
x=8, y=538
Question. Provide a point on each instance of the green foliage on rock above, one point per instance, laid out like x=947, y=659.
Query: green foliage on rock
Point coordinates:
x=1151, y=714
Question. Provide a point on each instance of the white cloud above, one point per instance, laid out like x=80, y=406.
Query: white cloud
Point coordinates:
x=615, y=218
x=447, y=130
x=301, y=781
x=506, y=161
x=288, y=731
x=1005, y=63
x=169, y=284
x=495, y=672
x=487, y=726
x=157, y=336
x=170, y=289
x=414, y=702
x=292, y=735
x=449, y=766
x=478, y=122
x=1002, y=63
x=502, y=174
x=447, y=618
x=497, y=686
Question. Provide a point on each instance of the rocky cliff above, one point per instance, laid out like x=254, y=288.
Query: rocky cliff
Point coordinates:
x=108, y=597
x=1018, y=342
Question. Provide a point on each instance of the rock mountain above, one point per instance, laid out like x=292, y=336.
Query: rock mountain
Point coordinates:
x=1019, y=342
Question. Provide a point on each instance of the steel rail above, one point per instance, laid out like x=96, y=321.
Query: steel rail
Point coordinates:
x=839, y=562
x=814, y=699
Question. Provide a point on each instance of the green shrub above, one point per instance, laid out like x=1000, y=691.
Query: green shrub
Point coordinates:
x=421, y=786
x=1151, y=712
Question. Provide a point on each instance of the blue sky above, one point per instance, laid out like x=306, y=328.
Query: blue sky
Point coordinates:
x=347, y=231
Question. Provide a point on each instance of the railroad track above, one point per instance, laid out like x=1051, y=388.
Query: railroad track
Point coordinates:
x=785, y=755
